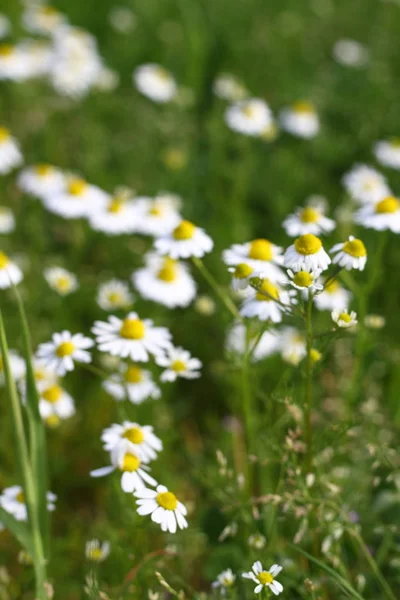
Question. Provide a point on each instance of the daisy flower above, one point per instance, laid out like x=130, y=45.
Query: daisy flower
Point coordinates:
x=184, y=241
x=138, y=438
x=10, y=155
x=158, y=216
x=132, y=383
x=224, y=581
x=266, y=303
x=260, y=254
x=257, y=541
x=265, y=579
x=350, y=53
x=64, y=350
x=292, y=345
x=241, y=274
x=333, y=296
x=305, y=281
x=42, y=373
x=41, y=180
x=250, y=117
x=178, y=363
x=308, y=220
x=9, y=272
x=12, y=500
x=60, y=280
x=365, y=184
x=166, y=281
x=17, y=366
x=350, y=255
x=383, y=215
x=55, y=403
x=387, y=153
x=155, y=82
x=344, y=318
x=118, y=217
x=114, y=295
x=306, y=254
x=79, y=199
x=97, y=551
x=267, y=344
x=228, y=87
x=131, y=337
x=42, y=19
x=13, y=62
x=300, y=119
x=164, y=507
x=7, y=220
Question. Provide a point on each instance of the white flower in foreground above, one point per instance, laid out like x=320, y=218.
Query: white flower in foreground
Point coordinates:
x=350, y=53
x=9, y=272
x=260, y=254
x=41, y=180
x=250, y=117
x=334, y=296
x=118, y=217
x=7, y=220
x=308, y=220
x=114, y=295
x=60, y=280
x=365, y=184
x=79, y=199
x=300, y=119
x=133, y=383
x=267, y=303
x=292, y=345
x=241, y=274
x=138, y=438
x=381, y=216
x=164, y=507
x=55, y=403
x=12, y=500
x=10, y=155
x=224, y=581
x=155, y=82
x=166, y=281
x=97, y=551
x=184, y=241
x=158, y=216
x=178, y=363
x=13, y=62
x=265, y=579
x=131, y=337
x=305, y=281
x=350, y=255
x=64, y=350
x=306, y=254
x=387, y=153
x=344, y=318
x=267, y=344
x=228, y=87
x=257, y=541
x=17, y=366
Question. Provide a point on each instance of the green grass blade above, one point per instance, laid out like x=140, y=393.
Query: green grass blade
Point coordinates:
x=18, y=529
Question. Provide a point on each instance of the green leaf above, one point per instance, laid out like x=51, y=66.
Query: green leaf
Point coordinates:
x=17, y=528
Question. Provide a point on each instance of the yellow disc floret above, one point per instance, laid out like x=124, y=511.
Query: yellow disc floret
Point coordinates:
x=167, y=500
x=355, y=248
x=315, y=355
x=261, y=250
x=388, y=205
x=345, y=317
x=43, y=170
x=52, y=394
x=133, y=374
x=65, y=349
x=116, y=205
x=242, y=270
x=184, y=231
x=20, y=497
x=134, y=435
x=307, y=244
x=309, y=215
x=303, y=279
x=168, y=271
x=132, y=329
x=130, y=463
x=6, y=50
x=332, y=287
x=4, y=260
x=267, y=291
x=178, y=366
x=303, y=107
x=264, y=577
x=76, y=187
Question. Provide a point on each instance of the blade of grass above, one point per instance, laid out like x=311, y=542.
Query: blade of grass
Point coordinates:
x=19, y=529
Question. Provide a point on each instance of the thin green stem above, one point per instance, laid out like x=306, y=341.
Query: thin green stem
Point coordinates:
x=219, y=291
x=246, y=404
x=308, y=434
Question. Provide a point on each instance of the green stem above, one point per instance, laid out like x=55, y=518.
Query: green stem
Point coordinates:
x=222, y=295
x=308, y=387
x=246, y=404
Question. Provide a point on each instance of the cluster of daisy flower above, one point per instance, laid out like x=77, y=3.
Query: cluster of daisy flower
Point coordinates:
x=264, y=579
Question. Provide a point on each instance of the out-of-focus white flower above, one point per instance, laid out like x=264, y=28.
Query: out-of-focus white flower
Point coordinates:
x=14, y=62
x=12, y=500
x=374, y=321
x=261, y=255
x=118, y=217
x=241, y=274
x=184, y=241
x=228, y=87
x=300, y=119
x=97, y=551
x=60, y=280
x=10, y=273
x=350, y=255
x=138, y=438
x=7, y=220
x=387, y=153
x=64, y=350
x=157, y=216
x=267, y=344
x=133, y=383
x=42, y=19
x=54, y=403
x=334, y=296
x=257, y=541
x=122, y=19
x=155, y=82
x=17, y=366
x=350, y=53
x=79, y=199
x=365, y=184
x=164, y=508
x=344, y=318
x=10, y=155
x=114, y=295
x=383, y=215
x=308, y=220
x=224, y=581
x=205, y=305
x=250, y=117
x=41, y=180
x=265, y=579
x=292, y=345
x=107, y=79
x=178, y=363
x=267, y=303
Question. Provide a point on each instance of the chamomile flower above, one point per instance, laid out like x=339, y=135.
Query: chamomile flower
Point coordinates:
x=7, y=220
x=305, y=281
x=114, y=295
x=79, y=199
x=225, y=580
x=350, y=255
x=241, y=274
x=250, y=117
x=387, y=153
x=334, y=296
x=10, y=155
x=343, y=318
x=10, y=273
x=55, y=403
x=131, y=337
x=42, y=374
x=166, y=281
x=260, y=254
x=228, y=87
x=13, y=63
x=158, y=216
x=155, y=82
x=133, y=383
x=164, y=507
x=300, y=119
x=374, y=321
x=178, y=363
x=97, y=551
x=365, y=184
x=64, y=350
x=17, y=366
x=266, y=345
x=257, y=541
x=265, y=579
x=118, y=217
x=60, y=280
x=383, y=215
x=12, y=500
x=308, y=220
x=138, y=438
x=292, y=345
x=184, y=241
x=41, y=180
x=267, y=303
x=350, y=53
x=306, y=254
x=42, y=19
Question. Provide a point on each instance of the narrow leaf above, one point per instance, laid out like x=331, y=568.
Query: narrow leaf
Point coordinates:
x=18, y=529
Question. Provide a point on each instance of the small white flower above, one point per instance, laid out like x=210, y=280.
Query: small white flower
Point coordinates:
x=228, y=87
x=224, y=581
x=114, y=295
x=17, y=366
x=155, y=82
x=79, y=199
x=261, y=255
x=257, y=541
x=300, y=119
x=122, y=19
x=308, y=220
x=60, y=280
x=241, y=274
x=381, y=216
x=54, y=403
x=267, y=344
x=205, y=305
x=343, y=318
x=41, y=180
x=366, y=184
x=350, y=53
x=131, y=337
x=97, y=551
x=184, y=241
x=350, y=255
x=265, y=579
x=64, y=350
x=107, y=80
x=7, y=220
x=164, y=507
x=387, y=153
x=133, y=383
x=12, y=500
x=42, y=19
x=334, y=296
x=158, y=216
x=267, y=303
x=306, y=254
x=292, y=345
x=305, y=281
x=178, y=363
x=138, y=438
x=10, y=155
x=14, y=62
x=10, y=273
x=118, y=217
x=250, y=117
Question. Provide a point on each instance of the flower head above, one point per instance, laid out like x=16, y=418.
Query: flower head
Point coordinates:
x=350, y=255
x=224, y=581
x=10, y=273
x=97, y=551
x=381, y=216
x=366, y=184
x=41, y=180
x=60, y=280
x=387, y=152
x=261, y=255
x=138, y=438
x=249, y=117
x=12, y=500
x=305, y=281
x=306, y=254
x=10, y=155
x=133, y=383
x=300, y=120
x=184, y=241
x=308, y=220
x=155, y=82
x=333, y=296
x=343, y=318
x=114, y=295
x=164, y=507
x=64, y=350
x=264, y=578
x=55, y=404
x=178, y=363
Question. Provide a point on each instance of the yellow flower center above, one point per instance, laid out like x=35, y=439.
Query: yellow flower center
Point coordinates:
x=20, y=497
x=132, y=329
x=6, y=50
x=77, y=187
x=133, y=375
x=53, y=421
x=178, y=366
x=242, y=271
x=39, y=373
x=116, y=205
x=63, y=283
x=114, y=297
x=309, y=215
x=156, y=211
x=4, y=260
x=388, y=205
x=65, y=349
x=307, y=244
x=163, y=74
x=134, y=435
x=303, y=107
x=261, y=250
x=345, y=317
x=52, y=394
x=332, y=287
x=130, y=463
x=167, y=500
x=267, y=292
x=168, y=272
x=43, y=170
x=95, y=554
x=249, y=110
x=303, y=279
x=315, y=355
x=355, y=248
x=264, y=577
x=49, y=11
x=184, y=231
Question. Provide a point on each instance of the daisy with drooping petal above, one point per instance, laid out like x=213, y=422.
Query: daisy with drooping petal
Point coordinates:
x=344, y=318
x=10, y=155
x=158, y=216
x=7, y=220
x=225, y=580
x=333, y=296
x=387, y=153
x=383, y=215
x=164, y=508
x=131, y=337
x=265, y=579
x=118, y=217
x=266, y=345
x=365, y=184
x=10, y=273
x=292, y=345
x=178, y=363
x=79, y=199
x=260, y=254
x=55, y=404
x=241, y=274
x=155, y=82
x=64, y=350
x=184, y=241
x=228, y=87
x=308, y=220
x=305, y=281
x=114, y=295
x=12, y=500
x=138, y=438
x=60, y=280
x=97, y=551
x=17, y=366
x=350, y=255
x=301, y=120
x=306, y=254
x=166, y=281
x=267, y=303
x=41, y=180
x=133, y=383
x=250, y=117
